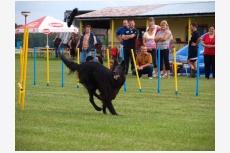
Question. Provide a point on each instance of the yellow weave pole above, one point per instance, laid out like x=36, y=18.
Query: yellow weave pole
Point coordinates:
x=108, y=58
x=22, y=61
x=78, y=61
x=175, y=71
x=135, y=65
x=21, y=76
x=26, y=35
x=47, y=66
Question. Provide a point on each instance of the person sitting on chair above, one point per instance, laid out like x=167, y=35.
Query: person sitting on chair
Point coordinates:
x=91, y=58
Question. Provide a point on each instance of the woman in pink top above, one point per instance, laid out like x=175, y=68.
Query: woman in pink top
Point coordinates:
x=208, y=42
x=149, y=42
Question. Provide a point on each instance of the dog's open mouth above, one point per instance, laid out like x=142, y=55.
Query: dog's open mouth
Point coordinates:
x=116, y=76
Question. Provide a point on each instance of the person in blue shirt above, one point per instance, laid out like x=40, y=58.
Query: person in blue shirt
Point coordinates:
x=129, y=36
x=97, y=39
x=120, y=32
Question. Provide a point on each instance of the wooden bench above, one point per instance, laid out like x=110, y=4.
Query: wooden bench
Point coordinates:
x=40, y=51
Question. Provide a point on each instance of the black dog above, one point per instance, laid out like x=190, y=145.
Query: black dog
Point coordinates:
x=71, y=17
x=95, y=76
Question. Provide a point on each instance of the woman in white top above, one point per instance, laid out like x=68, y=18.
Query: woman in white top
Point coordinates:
x=163, y=39
x=149, y=42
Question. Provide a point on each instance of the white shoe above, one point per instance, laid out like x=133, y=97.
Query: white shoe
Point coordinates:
x=156, y=76
x=164, y=75
x=150, y=78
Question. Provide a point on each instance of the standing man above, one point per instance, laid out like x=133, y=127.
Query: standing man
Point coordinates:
x=120, y=32
x=57, y=45
x=192, y=48
x=86, y=43
x=129, y=36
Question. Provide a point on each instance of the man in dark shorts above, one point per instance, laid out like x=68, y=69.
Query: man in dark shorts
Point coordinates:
x=129, y=37
x=193, y=48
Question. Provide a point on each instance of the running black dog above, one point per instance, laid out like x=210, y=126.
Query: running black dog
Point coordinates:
x=95, y=76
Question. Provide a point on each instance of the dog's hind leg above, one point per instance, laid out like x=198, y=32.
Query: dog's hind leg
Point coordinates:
x=98, y=96
x=92, y=102
x=104, y=108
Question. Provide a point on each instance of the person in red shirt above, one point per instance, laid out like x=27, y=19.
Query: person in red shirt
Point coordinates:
x=208, y=42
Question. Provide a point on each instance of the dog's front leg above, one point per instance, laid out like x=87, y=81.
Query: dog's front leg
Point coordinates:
x=111, y=108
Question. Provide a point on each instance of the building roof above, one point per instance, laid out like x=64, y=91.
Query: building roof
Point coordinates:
x=205, y=8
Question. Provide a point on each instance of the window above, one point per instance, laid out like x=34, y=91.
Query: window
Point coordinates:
x=202, y=29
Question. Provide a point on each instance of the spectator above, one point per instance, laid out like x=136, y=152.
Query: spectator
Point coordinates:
x=152, y=21
x=57, y=45
x=91, y=58
x=139, y=43
x=144, y=63
x=105, y=39
x=208, y=42
x=163, y=39
x=97, y=39
x=119, y=34
x=72, y=44
x=129, y=37
x=149, y=42
x=192, y=49
x=86, y=43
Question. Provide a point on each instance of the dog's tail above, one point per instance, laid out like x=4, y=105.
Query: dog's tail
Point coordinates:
x=71, y=17
x=70, y=64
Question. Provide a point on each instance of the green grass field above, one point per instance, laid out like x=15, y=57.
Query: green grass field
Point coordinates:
x=60, y=118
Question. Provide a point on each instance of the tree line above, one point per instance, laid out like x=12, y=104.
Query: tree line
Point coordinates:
x=35, y=39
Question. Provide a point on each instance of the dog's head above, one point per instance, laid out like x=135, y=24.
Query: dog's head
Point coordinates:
x=118, y=70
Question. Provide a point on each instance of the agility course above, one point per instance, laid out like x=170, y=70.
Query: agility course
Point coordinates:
x=57, y=118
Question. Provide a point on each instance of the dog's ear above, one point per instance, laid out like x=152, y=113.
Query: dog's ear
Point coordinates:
x=115, y=62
